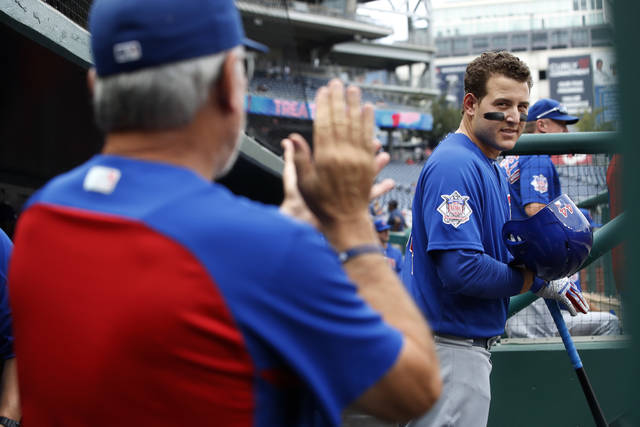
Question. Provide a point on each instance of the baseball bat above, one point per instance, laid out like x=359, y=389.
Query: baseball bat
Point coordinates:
x=596, y=411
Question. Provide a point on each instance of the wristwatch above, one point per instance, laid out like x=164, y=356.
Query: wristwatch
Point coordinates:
x=8, y=422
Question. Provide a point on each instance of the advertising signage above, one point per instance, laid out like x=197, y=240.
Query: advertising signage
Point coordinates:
x=571, y=82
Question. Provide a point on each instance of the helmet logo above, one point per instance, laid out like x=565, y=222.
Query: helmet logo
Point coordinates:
x=455, y=209
x=563, y=208
x=539, y=183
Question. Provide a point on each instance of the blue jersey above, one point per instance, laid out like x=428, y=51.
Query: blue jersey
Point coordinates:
x=160, y=298
x=6, y=334
x=532, y=179
x=461, y=202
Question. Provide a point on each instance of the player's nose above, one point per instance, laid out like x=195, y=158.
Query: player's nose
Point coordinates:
x=513, y=115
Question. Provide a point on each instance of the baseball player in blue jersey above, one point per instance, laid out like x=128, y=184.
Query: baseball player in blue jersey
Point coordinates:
x=459, y=272
x=533, y=180
x=533, y=183
x=162, y=299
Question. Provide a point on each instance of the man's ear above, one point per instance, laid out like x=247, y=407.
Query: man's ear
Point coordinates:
x=541, y=125
x=230, y=88
x=91, y=79
x=469, y=104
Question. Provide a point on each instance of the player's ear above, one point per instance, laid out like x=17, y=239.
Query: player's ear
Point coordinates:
x=541, y=125
x=91, y=79
x=469, y=104
x=231, y=87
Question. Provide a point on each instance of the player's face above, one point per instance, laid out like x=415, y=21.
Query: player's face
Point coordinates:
x=383, y=236
x=507, y=96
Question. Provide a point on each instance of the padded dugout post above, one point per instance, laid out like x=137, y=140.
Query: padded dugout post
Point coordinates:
x=566, y=143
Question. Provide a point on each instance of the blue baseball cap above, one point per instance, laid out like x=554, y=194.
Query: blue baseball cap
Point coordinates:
x=547, y=108
x=129, y=35
x=381, y=225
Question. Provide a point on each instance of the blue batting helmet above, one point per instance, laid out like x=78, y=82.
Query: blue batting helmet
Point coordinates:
x=554, y=242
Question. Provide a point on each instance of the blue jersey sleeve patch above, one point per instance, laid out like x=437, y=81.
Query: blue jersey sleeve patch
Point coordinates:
x=540, y=183
x=455, y=209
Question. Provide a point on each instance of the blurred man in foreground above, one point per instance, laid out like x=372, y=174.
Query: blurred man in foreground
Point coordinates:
x=161, y=299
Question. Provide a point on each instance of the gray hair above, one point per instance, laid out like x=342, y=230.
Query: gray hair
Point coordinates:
x=157, y=98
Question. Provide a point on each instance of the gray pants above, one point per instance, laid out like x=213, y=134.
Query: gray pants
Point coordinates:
x=466, y=392
x=535, y=321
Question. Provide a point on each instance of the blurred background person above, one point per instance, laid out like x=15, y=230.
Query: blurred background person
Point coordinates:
x=394, y=256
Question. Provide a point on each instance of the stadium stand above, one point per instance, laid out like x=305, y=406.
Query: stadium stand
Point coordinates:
x=405, y=176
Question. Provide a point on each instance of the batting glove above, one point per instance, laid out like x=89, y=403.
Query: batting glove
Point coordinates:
x=566, y=292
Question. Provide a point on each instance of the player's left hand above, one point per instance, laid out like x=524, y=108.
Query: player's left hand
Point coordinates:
x=566, y=292
x=293, y=203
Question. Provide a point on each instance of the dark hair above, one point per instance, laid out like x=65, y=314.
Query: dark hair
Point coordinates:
x=393, y=204
x=489, y=63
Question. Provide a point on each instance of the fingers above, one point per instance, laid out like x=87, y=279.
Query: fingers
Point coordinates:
x=381, y=188
x=336, y=179
x=368, y=125
x=567, y=302
x=322, y=131
x=298, y=139
x=301, y=155
x=341, y=118
x=353, y=108
x=361, y=120
x=376, y=145
x=578, y=300
x=560, y=285
x=338, y=110
x=289, y=177
x=382, y=159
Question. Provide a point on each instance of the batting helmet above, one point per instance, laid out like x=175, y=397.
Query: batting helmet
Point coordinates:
x=554, y=242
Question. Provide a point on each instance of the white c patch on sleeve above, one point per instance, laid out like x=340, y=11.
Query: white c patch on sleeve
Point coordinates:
x=455, y=209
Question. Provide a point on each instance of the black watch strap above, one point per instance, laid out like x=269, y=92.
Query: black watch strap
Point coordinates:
x=8, y=422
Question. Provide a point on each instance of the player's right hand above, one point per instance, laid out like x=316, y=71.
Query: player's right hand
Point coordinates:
x=565, y=291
